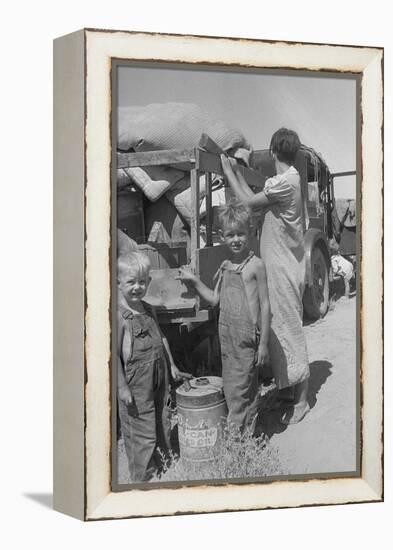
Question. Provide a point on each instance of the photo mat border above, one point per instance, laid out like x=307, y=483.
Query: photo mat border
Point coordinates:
x=115, y=64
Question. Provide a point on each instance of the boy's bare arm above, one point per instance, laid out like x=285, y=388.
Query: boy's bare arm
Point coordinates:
x=264, y=302
x=123, y=390
x=212, y=297
x=175, y=372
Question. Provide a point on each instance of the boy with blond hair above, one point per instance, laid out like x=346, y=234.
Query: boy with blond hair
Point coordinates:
x=244, y=319
x=142, y=374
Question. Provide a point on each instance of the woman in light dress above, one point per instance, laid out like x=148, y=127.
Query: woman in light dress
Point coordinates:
x=282, y=248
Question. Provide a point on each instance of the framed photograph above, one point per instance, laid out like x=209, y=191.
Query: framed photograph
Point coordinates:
x=218, y=274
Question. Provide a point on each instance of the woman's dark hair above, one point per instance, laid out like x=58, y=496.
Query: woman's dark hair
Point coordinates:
x=285, y=144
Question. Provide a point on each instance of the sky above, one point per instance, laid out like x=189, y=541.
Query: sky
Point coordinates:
x=321, y=109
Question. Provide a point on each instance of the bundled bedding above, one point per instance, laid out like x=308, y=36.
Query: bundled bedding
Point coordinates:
x=163, y=126
x=160, y=126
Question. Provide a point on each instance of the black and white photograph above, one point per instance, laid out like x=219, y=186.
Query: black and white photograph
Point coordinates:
x=235, y=274
x=197, y=275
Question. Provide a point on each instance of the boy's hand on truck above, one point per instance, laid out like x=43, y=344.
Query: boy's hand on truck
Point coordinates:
x=186, y=275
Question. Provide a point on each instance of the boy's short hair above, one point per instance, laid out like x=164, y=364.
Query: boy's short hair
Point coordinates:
x=285, y=144
x=234, y=213
x=136, y=262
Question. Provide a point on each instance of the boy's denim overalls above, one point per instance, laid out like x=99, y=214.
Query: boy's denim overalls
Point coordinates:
x=145, y=424
x=239, y=337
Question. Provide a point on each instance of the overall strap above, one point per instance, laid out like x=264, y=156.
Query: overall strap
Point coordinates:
x=241, y=266
x=218, y=274
x=152, y=315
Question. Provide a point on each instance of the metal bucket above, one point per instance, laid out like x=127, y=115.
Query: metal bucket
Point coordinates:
x=201, y=411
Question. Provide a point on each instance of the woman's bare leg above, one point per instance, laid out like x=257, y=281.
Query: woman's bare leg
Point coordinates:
x=301, y=391
x=300, y=407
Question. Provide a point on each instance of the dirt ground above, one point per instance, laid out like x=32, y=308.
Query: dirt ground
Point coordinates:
x=325, y=440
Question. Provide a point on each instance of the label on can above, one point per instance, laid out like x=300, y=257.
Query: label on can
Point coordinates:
x=197, y=438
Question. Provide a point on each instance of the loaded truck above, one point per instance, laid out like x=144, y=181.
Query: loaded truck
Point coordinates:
x=170, y=242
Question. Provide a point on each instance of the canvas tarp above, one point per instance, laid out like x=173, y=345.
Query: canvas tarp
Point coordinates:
x=171, y=126
x=161, y=126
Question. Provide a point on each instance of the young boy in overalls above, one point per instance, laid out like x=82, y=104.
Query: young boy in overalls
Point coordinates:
x=244, y=319
x=142, y=375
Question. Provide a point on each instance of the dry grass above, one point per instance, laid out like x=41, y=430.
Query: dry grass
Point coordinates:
x=238, y=456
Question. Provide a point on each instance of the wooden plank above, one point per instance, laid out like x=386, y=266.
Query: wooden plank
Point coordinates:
x=194, y=223
x=155, y=158
x=192, y=317
x=253, y=178
x=208, y=162
x=301, y=167
x=209, y=210
x=209, y=145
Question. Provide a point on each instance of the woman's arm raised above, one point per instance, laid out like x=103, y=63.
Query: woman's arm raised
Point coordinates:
x=240, y=187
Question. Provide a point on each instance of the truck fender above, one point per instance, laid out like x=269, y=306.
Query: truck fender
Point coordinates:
x=314, y=237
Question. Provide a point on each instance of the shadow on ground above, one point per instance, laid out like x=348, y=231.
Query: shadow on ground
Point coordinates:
x=268, y=422
x=45, y=499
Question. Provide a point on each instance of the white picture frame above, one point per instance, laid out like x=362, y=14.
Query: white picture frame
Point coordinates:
x=82, y=334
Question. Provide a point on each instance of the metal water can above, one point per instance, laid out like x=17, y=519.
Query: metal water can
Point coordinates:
x=201, y=412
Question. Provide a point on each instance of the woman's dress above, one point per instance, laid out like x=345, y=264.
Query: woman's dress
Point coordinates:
x=282, y=248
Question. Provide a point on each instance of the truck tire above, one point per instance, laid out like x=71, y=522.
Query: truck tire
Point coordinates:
x=316, y=297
